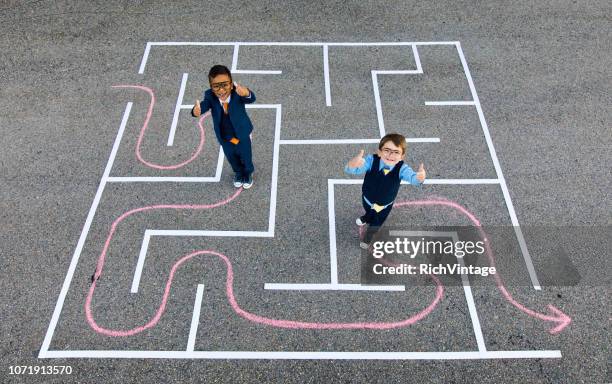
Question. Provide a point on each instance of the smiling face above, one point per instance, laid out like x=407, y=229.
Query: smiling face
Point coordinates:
x=221, y=86
x=390, y=153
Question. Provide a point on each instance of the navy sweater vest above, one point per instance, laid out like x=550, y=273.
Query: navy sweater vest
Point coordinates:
x=380, y=188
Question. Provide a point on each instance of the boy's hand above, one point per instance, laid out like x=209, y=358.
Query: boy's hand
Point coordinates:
x=421, y=173
x=196, y=109
x=242, y=91
x=357, y=161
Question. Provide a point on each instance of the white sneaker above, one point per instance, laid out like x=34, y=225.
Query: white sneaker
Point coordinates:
x=248, y=184
x=237, y=182
x=359, y=222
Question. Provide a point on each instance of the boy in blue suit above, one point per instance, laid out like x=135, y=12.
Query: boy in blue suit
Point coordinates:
x=384, y=172
x=232, y=125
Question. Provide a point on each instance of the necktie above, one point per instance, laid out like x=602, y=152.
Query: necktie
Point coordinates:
x=386, y=170
x=225, y=106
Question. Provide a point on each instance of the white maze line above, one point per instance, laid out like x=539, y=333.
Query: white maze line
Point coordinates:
x=427, y=181
x=79, y=248
x=145, y=57
x=414, y=44
x=141, y=259
x=417, y=58
x=195, y=318
x=257, y=72
x=326, y=75
x=444, y=103
x=467, y=290
x=333, y=258
x=355, y=141
x=173, y=179
x=515, y=223
x=249, y=71
x=332, y=287
x=379, y=116
x=306, y=355
x=235, y=58
x=177, y=110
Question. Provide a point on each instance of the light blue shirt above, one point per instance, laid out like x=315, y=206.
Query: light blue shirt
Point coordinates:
x=406, y=173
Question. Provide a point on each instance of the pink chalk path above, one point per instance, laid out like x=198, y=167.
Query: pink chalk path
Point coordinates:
x=229, y=289
x=195, y=153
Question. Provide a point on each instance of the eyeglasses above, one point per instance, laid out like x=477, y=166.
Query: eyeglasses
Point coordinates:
x=391, y=152
x=220, y=86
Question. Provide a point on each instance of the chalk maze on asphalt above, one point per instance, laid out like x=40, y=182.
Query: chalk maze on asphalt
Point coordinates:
x=554, y=320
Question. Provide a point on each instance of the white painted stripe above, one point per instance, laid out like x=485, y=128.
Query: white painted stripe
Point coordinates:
x=177, y=109
x=472, y=308
x=427, y=181
x=273, y=187
x=532, y=274
x=195, y=318
x=417, y=58
x=77, y=252
x=355, y=141
x=301, y=44
x=326, y=75
x=203, y=233
x=332, y=287
x=235, y=58
x=219, y=164
x=186, y=106
x=398, y=72
x=461, y=181
x=467, y=290
x=162, y=179
x=258, y=71
x=235, y=69
x=381, y=123
x=173, y=179
x=140, y=264
x=330, y=141
x=263, y=106
x=306, y=355
x=333, y=260
x=145, y=57
x=464, y=279
x=446, y=103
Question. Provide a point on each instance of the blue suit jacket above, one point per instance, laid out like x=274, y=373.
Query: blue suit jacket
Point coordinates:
x=237, y=113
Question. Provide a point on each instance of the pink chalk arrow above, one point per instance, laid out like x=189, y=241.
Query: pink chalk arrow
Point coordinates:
x=558, y=317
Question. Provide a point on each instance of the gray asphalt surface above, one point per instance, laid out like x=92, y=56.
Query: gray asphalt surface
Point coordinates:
x=542, y=77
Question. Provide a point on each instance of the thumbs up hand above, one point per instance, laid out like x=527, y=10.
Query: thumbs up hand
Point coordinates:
x=196, y=109
x=242, y=91
x=421, y=174
x=357, y=161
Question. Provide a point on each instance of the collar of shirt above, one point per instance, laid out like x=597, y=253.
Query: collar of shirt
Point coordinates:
x=382, y=165
x=225, y=101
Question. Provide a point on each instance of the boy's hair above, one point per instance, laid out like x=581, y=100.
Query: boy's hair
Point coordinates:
x=217, y=70
x=395, y=138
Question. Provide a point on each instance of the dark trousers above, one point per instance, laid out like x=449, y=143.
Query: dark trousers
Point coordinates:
x=374, y=219
x=240, y=157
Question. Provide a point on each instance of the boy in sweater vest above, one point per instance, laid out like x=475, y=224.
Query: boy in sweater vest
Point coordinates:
x=383, y=173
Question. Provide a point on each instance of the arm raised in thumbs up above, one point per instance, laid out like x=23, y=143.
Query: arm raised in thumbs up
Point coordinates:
x=357, y=161
x=421, y=174
x=196, y=109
